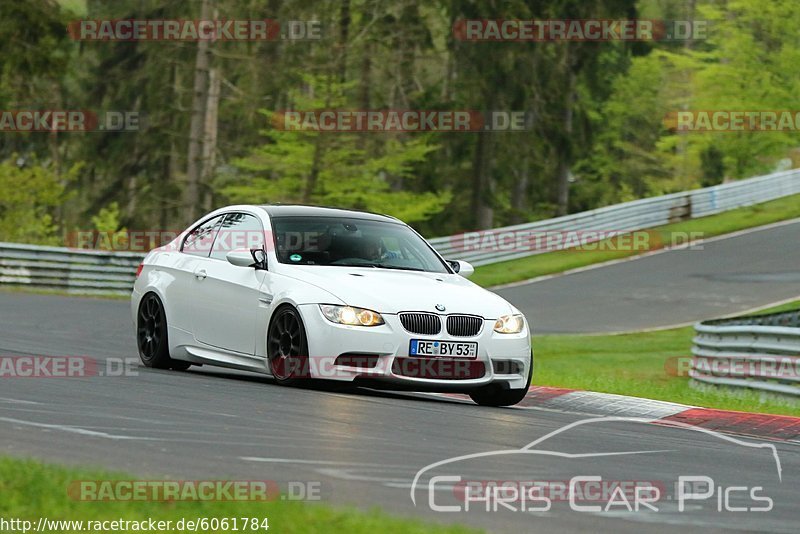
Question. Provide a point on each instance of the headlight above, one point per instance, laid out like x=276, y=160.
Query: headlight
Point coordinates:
x=351, y=316
x=509, y=324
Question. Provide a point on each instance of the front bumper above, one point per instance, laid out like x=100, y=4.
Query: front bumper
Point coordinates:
x=502, y=359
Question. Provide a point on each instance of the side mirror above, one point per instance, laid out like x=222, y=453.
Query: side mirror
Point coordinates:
x=462, y=267
x=247, y=258
x=240, y=258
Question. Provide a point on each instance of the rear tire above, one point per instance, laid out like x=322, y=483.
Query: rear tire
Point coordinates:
x=151, y=335
x=287, y=347
x=492, y=395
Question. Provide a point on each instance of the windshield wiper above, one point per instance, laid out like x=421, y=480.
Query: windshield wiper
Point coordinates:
x=397, y=267
x=377, y=265
x=354, y=264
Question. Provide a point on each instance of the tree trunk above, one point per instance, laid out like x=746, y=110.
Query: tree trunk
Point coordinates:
x=364, y=83
x=344, y=32
x=191, y=197
x=210, y=137
x=519, y=194
x=681, y=149
x=172, y=172
x=365, y=77
x=565, y=148
x=481, y=183
x=313, y=175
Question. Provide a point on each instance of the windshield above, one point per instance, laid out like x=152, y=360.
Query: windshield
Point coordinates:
x=352, y=242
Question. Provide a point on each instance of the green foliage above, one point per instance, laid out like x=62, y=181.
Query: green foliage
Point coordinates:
x=31, y=195
x=626, y=163
x=751, y=65
x=107, y=224
x=107, y=220
x=597, y=109
x=333, y=168
x=746, y=64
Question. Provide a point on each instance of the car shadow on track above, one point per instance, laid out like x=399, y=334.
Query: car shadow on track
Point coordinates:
x=323, y=386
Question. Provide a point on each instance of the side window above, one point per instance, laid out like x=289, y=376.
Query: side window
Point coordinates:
x=199, y=240
x=239, y=231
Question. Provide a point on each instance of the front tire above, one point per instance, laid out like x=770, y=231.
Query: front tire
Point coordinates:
x=151, y=335
x=492, y=395
x=287, y=347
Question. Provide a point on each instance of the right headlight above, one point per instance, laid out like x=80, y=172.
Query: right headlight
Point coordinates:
x=350, y=315
x=509, y=324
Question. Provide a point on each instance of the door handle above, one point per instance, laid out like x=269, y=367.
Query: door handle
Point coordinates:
x=200, y=274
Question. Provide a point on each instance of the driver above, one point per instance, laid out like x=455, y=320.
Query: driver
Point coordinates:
x=372, y=249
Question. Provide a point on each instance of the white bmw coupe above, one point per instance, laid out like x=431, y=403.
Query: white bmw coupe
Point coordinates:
x=302, y=292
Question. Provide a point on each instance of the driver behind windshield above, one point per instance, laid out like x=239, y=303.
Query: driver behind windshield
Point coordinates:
x=372, y=249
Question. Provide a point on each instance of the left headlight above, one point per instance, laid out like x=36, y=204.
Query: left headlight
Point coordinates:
x=509, y=324
x=351, y=316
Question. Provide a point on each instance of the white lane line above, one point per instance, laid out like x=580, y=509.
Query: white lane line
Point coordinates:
x=75, y=430
x=292, y=461
x=158, y=427
x=682, y=246
x=60, y=413
x=17, y=401
x=673, y=326
x=344, y=474
x=316, y=462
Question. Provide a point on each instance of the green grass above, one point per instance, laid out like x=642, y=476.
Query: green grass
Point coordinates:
x=637, y=365
x=31, y=490
x=62, y=293
x=564, y=260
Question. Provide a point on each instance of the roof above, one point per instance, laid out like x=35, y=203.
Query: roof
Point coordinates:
x=297, y=210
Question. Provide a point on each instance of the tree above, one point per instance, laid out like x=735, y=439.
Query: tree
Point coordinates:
x=330, y=168
x=31, y=195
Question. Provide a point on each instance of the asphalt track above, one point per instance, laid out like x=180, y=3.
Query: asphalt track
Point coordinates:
x=721, y=277
x=364, y=448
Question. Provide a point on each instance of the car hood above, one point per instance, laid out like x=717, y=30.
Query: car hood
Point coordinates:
x=393, y=291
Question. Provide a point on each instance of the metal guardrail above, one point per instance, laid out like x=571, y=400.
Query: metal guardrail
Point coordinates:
x=626, y=217
x=759, y=352
x=70, y=270
x=79, y=271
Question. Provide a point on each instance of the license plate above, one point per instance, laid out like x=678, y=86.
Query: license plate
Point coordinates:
x=443, y=349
